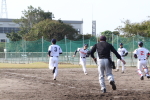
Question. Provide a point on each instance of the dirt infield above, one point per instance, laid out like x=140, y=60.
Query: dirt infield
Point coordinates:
x=71, y=84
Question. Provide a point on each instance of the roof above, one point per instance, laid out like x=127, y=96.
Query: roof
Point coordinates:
x=6, y=20
x=72, y=22
x=65, y=21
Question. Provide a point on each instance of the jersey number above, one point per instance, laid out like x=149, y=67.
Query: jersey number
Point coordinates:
x=55, y=49
x=142, y=52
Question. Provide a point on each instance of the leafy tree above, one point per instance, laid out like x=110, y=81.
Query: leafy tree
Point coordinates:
x=13, y=36
x=86, y=36
x=108, y=35
x=116, y=33
x=131, y=29
x=30, y=17
x=51, y=29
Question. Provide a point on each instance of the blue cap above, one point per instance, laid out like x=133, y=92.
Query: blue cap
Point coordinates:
x=53, y=41
x=86, y=45
x=121, y=43
x=140, y=43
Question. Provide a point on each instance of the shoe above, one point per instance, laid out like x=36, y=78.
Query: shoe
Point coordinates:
x=54, y=78
x=85, y=73
x=142, y=78
x=53, y=70
x=117, y=70
x=112, y=83
x=148, y=77
x=104, y=90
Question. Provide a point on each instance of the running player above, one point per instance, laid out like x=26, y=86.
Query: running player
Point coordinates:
x=142, y=55
x=53, y=52
x=123, y=52
x=83, y=54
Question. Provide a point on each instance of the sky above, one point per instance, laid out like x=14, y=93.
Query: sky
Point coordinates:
x=108, y=14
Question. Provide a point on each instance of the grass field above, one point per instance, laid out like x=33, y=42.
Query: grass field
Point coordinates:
x=40, y=65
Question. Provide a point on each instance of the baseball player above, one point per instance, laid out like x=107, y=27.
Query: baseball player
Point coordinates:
x=142, y=55
x=53, y=52
x=123, y=52
x=83, y=54
x=103, y=49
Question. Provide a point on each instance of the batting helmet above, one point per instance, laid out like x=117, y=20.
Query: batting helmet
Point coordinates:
x=53, y=41
x=140, y=44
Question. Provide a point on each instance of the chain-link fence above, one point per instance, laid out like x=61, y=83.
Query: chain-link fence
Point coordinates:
x=65, y=58
x=36, y=51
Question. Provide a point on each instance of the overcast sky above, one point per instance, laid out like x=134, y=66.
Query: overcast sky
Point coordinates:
x=107, y=13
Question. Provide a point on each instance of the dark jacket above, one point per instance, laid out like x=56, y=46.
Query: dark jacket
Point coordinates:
x=103, y=49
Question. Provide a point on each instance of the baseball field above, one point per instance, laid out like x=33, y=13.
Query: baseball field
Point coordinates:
x=34, y=82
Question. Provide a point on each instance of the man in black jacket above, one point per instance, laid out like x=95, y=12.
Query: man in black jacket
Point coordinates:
x=103, y=49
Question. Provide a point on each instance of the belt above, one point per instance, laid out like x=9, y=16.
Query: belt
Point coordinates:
x=83, y=57
x=54, y=56
x=142, y=59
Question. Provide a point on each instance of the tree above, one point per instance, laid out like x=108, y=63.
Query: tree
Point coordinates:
x=51, y=29
x=30, y=17
x=131, y=29
x=108, y=35
x=116, y=33
x=81, y=36
x=13, y=36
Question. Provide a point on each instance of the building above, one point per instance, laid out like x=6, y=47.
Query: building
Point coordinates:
x=78, y=25
x=7, y=26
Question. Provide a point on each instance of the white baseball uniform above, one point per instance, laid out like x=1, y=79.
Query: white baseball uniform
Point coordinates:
x=53, y=61
x=142, y=60
x=122, y=52
x=83, y=53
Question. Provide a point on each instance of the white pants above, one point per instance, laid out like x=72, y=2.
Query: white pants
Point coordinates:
x=142, y=64
x=53, y=62
x=83, y=64
x=104, y=67
x=118, y=63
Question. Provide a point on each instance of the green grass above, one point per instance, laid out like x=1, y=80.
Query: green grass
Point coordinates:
x=40, y=65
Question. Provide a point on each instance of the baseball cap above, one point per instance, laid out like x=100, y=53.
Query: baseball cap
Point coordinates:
x=121, y=43
x=53, y=41
x=86, y=45
x=102, y=38
x=140, y=43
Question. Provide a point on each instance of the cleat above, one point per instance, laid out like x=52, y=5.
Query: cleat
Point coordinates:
x=112, y=83
x=148, y=77
x=53, y=70
x=117, y=70
x=104, y=90
x=142, y=78
x=54, y=78
x=85, y=73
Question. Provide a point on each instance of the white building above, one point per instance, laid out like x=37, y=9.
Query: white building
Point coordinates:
x=7, y=26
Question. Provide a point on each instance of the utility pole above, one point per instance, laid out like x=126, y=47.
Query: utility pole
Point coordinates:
x=3, y=9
